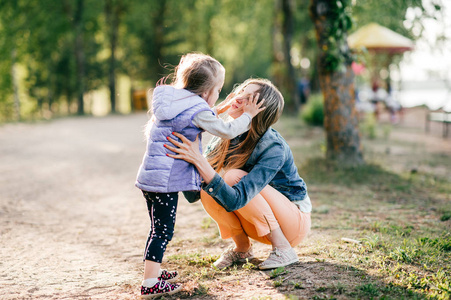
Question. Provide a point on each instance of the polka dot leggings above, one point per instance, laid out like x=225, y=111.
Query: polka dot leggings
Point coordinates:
x=162, y=209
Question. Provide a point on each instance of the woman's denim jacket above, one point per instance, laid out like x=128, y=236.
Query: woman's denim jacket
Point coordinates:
x=271, y=163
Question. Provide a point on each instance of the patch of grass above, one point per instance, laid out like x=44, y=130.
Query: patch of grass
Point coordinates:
x=297, y=285
x=446, y=216
x=323, y=297
x=206, y=222
x=205, y=273
x=323, y=209
x=278, y=282
x=202, y=289
x=443, y=244
x=369, y=290
x=277, y=272
x=319, y=170
x=193, y=259
x=248, y=265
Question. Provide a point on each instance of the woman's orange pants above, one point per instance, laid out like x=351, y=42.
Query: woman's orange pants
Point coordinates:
x=269, y=210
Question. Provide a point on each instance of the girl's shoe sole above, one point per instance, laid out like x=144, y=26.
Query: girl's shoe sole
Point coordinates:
x=162, y=294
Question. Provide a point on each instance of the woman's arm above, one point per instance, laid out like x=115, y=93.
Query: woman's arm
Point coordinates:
x=237, y=196
x=189, y=151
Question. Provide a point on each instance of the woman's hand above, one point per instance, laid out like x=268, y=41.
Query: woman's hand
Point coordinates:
x=225, y=105
x=186, y=150
x=252, y=107
x=189, y=151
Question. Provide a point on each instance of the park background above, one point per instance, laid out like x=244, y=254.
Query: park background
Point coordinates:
x=72, y=224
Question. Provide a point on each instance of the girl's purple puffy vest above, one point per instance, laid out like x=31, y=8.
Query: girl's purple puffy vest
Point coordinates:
x=158, y=172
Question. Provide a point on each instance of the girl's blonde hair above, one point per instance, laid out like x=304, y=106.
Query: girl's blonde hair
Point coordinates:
x=196, y=72
x=240, y=153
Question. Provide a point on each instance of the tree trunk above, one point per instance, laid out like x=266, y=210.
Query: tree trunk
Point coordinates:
x=158, y=35
x=15, y=84
x=341, y=118
x=337, y=85
x=112, y=11
x=79, y=55
x=276, y=52
x=287, y=32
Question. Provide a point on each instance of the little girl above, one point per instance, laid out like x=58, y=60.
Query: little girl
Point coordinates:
x=183, y=107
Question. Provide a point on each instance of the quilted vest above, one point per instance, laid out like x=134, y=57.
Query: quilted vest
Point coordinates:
x=174, y=110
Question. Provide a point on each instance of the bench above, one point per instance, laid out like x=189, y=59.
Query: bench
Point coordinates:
x=441, y=117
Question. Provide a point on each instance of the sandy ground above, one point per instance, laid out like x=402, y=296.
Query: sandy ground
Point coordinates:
x=72, y=224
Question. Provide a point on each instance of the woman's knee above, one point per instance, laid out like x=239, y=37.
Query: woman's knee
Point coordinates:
x=233, y=176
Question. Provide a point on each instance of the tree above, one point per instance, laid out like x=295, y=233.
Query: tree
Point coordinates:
x=283, y=71
x=113, y=12
x=79, y=54
x=332, y=21
x=147, y=30
x=83, y=16
x=51, y=59
x=12, y=24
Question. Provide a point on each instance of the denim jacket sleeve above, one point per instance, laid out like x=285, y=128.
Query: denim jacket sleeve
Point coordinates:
x=235, y=197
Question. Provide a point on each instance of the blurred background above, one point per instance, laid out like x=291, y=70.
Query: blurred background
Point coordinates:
x=94, y=57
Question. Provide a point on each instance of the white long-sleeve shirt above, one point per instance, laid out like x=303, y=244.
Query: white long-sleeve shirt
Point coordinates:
x=218, y=127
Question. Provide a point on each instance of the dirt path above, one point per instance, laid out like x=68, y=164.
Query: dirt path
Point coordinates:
x=72, y=224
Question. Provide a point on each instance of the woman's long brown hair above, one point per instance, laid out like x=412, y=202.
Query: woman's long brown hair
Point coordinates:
x=240, y=153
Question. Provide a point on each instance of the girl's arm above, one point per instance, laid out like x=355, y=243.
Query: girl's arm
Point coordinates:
x=237, y=196
x=225, y=105
x=229, y=130
x=217, y=127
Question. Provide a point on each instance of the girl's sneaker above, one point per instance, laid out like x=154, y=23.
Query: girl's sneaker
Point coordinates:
x=168, y=276
x=159, y=289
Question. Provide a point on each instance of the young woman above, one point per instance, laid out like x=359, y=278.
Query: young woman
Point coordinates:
x=260, y=195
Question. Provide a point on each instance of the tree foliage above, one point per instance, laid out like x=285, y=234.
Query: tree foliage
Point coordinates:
x=60, y=51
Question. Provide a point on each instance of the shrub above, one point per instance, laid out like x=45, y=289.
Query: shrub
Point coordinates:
x=313, y=112
x=368, y=126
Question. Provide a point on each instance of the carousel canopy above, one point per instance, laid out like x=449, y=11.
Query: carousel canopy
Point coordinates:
x=375, y=37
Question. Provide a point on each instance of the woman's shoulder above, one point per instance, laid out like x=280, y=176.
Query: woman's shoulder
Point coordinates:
x=272, y=135
x=271, y=139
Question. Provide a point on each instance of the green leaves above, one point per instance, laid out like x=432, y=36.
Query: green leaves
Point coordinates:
x=334, y=52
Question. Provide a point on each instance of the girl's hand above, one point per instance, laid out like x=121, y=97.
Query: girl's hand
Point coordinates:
x=186, y=150
x=225, y=105
x=252, y=107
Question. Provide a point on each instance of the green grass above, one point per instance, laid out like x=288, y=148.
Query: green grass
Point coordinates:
x=396, y=205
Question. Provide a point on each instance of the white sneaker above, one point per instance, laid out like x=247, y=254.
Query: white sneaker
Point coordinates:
x=229, y=257
x=279, y=258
